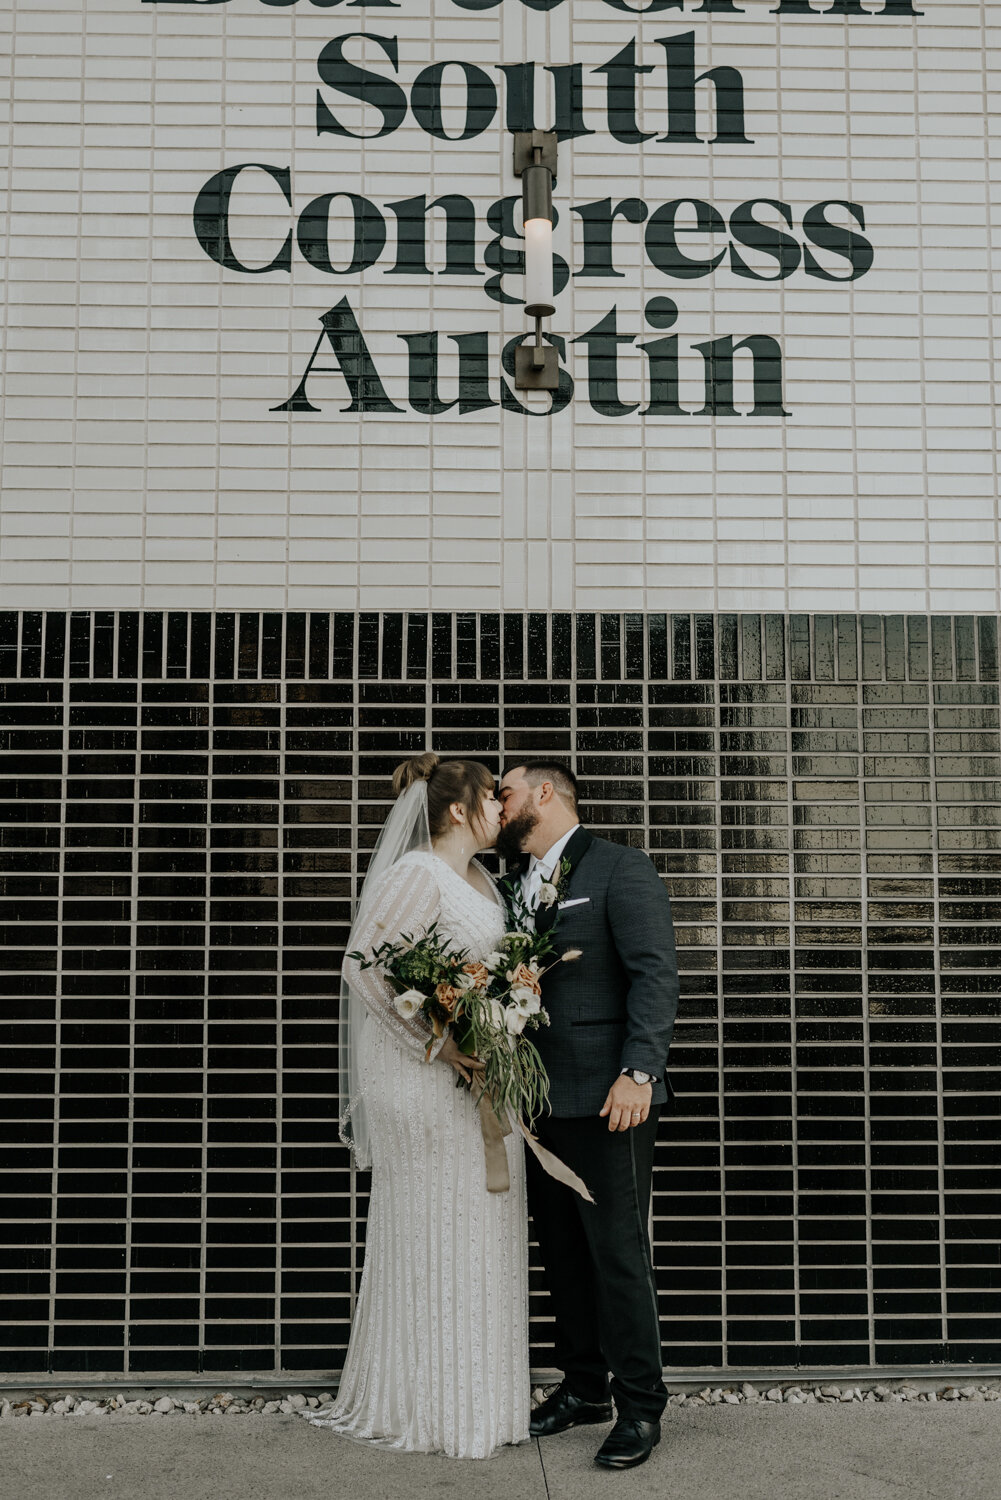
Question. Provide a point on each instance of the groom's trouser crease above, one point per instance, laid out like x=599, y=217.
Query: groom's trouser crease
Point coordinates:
x=597, y=1263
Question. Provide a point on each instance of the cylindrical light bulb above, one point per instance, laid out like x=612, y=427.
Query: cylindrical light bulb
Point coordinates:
x=539, y=268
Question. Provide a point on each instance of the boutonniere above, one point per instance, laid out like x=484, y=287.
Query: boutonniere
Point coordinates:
x=550, y=891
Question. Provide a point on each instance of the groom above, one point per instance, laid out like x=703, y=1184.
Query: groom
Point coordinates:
x=605, y=1050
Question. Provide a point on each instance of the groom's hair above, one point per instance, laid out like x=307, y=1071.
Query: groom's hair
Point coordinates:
x=563, y=779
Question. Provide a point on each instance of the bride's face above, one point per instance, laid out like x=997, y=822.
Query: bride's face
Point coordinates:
x=487, y=823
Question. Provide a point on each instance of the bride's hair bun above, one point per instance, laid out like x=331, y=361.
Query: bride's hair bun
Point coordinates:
x=420, y=768
x=449, y=781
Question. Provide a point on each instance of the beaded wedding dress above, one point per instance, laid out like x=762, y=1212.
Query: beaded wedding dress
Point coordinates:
x=438, y=1355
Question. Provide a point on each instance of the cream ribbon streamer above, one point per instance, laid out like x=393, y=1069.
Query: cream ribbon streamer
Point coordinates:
x=494, y=1130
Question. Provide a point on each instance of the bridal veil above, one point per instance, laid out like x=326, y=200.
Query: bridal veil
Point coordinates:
x=405, y=830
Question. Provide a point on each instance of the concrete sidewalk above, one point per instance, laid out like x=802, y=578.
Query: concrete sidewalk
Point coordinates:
x=850, y=1452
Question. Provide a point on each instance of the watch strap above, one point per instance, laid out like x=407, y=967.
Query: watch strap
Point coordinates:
x=649, y=1077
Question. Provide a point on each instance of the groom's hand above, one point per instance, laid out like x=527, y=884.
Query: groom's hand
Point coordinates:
x=628, y=1103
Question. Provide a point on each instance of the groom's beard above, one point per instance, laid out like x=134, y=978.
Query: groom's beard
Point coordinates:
x=511, y=839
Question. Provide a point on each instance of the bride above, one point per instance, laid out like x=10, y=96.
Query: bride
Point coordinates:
x=438, y=1356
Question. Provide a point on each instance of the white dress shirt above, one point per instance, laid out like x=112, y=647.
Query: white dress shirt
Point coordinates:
x=540, y=870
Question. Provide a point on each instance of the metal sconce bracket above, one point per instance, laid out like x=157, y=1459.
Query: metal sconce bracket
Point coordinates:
x=527, y=143
x=536, y=365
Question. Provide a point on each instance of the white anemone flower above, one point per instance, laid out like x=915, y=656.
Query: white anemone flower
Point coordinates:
x=514, y=1020
x=409, y=1003
x=526, y=1000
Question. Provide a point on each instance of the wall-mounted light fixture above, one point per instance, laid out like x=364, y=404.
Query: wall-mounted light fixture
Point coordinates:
x=536, y=366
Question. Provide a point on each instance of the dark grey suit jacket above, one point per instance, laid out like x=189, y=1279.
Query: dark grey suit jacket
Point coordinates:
x=615, y=1007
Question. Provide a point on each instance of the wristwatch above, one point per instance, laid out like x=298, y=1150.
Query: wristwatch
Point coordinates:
x=637, y=1076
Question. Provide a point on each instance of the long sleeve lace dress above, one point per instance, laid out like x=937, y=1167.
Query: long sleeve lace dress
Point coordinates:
x=438, y=1356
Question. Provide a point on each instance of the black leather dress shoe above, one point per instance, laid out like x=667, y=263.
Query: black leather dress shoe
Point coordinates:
x=629, y=1443
x=563, y=1409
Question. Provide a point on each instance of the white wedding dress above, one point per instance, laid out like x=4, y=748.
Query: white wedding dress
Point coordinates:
x=438, y=1355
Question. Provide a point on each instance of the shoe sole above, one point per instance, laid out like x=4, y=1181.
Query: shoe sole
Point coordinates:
x=577, y=1422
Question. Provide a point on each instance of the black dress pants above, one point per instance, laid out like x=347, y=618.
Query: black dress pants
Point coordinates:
x=596, y=1261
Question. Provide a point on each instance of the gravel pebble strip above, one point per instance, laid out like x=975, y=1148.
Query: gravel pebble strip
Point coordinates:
x=224, y=1404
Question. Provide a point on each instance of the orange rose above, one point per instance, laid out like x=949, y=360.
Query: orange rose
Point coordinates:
x=446, y=996
x=479, y=973
x=526, y=978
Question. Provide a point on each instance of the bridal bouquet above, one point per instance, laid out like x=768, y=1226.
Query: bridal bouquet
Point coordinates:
x=491, y=1005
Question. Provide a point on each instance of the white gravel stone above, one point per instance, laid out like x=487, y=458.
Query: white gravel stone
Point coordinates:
x=224, y=1403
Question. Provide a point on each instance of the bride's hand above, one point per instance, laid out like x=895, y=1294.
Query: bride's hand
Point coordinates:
x=467, y=1067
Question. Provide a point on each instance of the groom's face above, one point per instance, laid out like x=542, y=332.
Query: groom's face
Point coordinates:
x=519, y=814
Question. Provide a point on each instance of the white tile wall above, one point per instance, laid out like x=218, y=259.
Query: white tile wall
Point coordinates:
x=143, y=466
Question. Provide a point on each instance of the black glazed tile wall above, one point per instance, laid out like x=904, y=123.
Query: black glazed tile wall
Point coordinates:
x=188, y=803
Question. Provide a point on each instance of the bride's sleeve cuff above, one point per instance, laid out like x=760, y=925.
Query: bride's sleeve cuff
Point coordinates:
x=437, y=1045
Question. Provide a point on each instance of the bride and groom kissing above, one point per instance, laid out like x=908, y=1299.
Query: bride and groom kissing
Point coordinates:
x=438, y=1358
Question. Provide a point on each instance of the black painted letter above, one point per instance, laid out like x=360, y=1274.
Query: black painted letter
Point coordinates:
x=411, y=236
x=358, y=83
x=354, y=362
x=766, y=353
x=682, y=124
x=211, y=218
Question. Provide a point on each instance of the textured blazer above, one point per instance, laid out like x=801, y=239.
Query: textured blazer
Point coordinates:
x=615, y=1007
